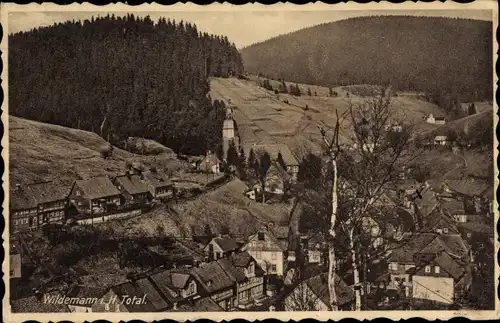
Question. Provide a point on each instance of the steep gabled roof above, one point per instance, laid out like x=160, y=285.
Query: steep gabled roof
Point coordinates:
x=97, y=187
x=472, y=187
x=212, y=277
x=226, y=243
x=427, y=203
x=156, y=179
x=152, y=294
x=235, y=274
x=209, y=161
x=241, y=259
x=275, y=246
x=49, y=191
x=132, y=184
x=131, y=289
x=453, y=244
x=455, y=268
x=319, y=286
x=438, y=220
x=163, y=281
x=405, y=253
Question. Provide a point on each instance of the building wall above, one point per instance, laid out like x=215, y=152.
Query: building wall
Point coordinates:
x=314, y=256
x=228, y=133
x=24, y=219
x=217, y=251
x=224, y=298
x=439, y=289
x=267, y=258
x=164, y=191
x=250, y=289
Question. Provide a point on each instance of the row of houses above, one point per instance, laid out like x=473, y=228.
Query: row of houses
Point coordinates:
x=230, y=283
x=434, y=259
x=34, y=205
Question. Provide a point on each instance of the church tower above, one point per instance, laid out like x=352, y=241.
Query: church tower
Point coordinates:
x=229, y=133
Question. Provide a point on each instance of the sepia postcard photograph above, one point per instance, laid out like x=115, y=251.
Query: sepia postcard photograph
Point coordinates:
x=265, y=161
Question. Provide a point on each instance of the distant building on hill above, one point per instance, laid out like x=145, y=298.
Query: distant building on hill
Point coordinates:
x=35, y=204
x=210, y=164
x=95, y=195
x=268, y=251
x=222, y=246
x=441, y=140
x=229, y=133
x=133, y=188
x=435, y=120
x=431, y=267
x=159, y=184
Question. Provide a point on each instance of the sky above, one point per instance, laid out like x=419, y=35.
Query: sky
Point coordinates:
x=241, y=27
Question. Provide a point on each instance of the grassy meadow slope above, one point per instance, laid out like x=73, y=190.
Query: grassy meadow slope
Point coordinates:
x=411, y=53
x=40, y=151
x=263, y=117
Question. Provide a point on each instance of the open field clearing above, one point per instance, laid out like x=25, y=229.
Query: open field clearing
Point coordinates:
x=296, y=125
x=40, y=152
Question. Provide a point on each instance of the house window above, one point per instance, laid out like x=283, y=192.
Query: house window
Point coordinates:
x=261, y=236
x=445, y=230
x=273, y=268
x=258, y=255
x=251, y=268
x=393, y=266
x=436, y=269
x=274, y=256
x=468, y=235
x=77, y=193
x=106, y=307
x=191, y=289
x=427, y=269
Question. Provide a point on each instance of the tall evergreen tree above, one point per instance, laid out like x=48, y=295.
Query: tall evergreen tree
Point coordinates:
x=232, y=155
x=121, y=77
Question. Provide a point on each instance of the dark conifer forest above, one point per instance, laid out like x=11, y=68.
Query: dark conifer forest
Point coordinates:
x=440, y=56
x=123, y=76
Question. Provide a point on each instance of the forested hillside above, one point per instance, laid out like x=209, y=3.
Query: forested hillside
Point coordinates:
x=122, y=76
x=442, y=56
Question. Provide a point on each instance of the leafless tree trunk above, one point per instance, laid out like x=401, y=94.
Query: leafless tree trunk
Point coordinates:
x=378, y=156
x=333, y=150
x=103, y=124
x=331, y=250
x=355, y=269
